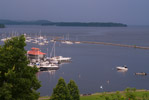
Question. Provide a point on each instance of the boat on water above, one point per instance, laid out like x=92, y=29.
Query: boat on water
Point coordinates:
x=122, y=67
x=57, y=58
x=77, y=42
x=47, y=66
x=68, y=42
x=141, y=73
x=53, y=61
x=60, y=58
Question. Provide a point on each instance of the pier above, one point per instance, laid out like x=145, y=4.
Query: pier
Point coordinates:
x=105, y=43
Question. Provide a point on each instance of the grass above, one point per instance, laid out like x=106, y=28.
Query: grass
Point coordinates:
x=100, y=96
x=44, y=98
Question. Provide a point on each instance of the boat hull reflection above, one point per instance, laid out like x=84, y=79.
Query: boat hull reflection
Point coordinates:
x=48, y=69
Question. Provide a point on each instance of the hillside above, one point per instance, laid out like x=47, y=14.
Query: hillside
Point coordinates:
x=49, y=23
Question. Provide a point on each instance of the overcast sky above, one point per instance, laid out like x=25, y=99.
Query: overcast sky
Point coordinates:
x=131, y=12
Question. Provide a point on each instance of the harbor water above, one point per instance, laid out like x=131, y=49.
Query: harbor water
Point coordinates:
x=92, y=65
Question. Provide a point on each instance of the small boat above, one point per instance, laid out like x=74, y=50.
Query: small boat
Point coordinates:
x=122, y=67
x=77, y=42
x=67, y=42
x=141, y=73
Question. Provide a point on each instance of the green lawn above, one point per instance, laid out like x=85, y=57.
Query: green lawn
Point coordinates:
x=101, y=96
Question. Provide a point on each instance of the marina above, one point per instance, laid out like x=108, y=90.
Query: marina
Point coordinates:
x=92, y=64
x=39, y=59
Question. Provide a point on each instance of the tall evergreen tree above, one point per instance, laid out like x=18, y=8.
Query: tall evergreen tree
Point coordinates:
x=73, y=90
x=17, y=80
x=61, y=91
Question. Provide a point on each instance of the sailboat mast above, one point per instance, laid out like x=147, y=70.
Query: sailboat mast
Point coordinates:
x=54, y=48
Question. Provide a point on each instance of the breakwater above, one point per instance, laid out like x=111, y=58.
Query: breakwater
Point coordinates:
x=112, y=44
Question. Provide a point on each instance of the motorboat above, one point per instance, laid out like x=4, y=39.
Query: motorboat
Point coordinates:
x=46, y=66
x=122, y=67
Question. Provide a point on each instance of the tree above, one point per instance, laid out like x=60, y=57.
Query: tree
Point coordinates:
x=73, y=90
x=61, y=91
x=17, y=80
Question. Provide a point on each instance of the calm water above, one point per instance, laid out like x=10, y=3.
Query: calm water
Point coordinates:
x=93, y=65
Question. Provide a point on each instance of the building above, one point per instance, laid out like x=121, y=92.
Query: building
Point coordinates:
x=35, y=54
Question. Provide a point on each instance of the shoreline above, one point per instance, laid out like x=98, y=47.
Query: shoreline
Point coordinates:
x=95, y=94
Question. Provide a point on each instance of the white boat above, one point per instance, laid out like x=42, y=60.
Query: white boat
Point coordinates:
x=77, y=42
x=34, y=64
x=53, y=61
x=52, y=40
x=68, y=42
x=60, y=58
x=46, y=66
x=41, y=43
x=122, y=67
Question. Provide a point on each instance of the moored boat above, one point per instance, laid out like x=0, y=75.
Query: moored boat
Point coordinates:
x=122, y=67
x=140, y=73
x=44, y=67
x=60, y=58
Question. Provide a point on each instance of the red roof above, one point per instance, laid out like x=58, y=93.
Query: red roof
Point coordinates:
x=35, y=51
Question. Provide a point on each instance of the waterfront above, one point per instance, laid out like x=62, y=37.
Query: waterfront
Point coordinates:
x=94, y=65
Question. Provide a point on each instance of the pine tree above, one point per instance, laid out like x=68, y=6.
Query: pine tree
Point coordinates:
x=73, y=90
x=61, y=91
x=17, y=80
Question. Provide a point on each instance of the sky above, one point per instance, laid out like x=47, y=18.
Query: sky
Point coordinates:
x=131, y=12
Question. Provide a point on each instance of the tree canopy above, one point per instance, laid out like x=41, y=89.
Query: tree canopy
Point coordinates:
x=61, y=91
x=18, y=81
x=73, y=90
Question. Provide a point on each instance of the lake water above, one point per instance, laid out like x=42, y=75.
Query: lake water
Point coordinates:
x=93, y=65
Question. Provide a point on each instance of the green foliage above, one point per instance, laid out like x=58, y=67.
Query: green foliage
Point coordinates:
x=2, y=26
x=73, y=90
x=17, y=80
x=90, y=24
x=145, y=96
x=61, y=91
x=5, y=92
x=130, y=93
x=140, y=95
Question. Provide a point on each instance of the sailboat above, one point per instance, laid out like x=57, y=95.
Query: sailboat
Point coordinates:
x=58, y=58
x=67, y=41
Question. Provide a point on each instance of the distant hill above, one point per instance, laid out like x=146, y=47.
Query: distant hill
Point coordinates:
x=37, y=22
x=2, y=26
x=46, y=22
x=89, y=24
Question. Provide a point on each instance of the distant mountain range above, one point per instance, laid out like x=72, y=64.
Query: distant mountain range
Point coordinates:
x=46, y=22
